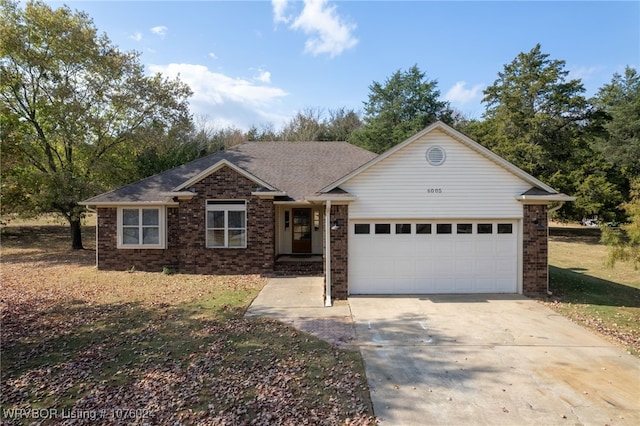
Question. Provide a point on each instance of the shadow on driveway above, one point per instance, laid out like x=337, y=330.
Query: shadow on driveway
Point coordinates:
x=489, y=359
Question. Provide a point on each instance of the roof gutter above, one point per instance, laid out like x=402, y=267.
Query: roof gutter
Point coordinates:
x=544, y=199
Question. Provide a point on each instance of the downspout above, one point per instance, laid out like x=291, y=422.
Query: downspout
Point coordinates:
x=327, y=267
x=549, y=211
x=96, y=212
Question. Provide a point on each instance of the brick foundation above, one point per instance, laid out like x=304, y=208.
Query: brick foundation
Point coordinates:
x=299, y=268
x=535, y=251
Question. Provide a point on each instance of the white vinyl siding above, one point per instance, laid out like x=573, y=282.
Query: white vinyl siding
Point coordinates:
x=141, y=227
x=405, y=185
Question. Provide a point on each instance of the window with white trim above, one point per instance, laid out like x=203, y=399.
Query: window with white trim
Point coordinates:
x=226, y=224
x=141, y=227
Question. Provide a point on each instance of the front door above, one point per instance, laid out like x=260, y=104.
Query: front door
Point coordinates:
x=301, y=231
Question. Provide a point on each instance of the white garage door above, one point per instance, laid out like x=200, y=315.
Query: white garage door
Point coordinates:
x=413, y=257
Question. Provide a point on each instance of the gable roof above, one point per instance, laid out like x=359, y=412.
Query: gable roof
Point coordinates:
x=464, y=140
x=296, y=168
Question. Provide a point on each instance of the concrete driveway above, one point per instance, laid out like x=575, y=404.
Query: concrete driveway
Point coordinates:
x=490, y=359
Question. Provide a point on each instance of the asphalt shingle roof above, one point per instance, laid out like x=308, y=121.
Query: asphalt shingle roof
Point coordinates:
x=298, y=168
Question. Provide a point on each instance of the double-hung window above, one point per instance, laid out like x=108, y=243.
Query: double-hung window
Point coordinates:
x=141, y=227
x=226, y=224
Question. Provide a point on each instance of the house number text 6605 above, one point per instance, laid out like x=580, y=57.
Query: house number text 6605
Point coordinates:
x=434, y=191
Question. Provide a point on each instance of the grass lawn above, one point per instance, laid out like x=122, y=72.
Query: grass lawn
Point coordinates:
x=603, y=299
x=150, y=348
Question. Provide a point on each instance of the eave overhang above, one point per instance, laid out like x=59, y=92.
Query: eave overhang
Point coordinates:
x=334, y=198
x=103, y=204
x=268, y=195
x=544, y=199
x=179, y=195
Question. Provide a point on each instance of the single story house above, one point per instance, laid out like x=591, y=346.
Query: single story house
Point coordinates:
x=437, y=213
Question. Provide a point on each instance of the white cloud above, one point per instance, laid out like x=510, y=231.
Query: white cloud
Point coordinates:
x=328, y=33
x=137, y=36
x=584, y=73
x=460, y=95
x=160, y=30
x=212, y=55
x=263, y=76
x=279, y=7
x=228, y=100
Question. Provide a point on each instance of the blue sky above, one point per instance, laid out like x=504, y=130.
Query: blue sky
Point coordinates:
x=258, y=62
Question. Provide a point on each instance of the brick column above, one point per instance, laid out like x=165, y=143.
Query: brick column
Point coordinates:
x=535, y=251
x=339, y=252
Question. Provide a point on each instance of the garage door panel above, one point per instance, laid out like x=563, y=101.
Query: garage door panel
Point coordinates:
x=464, y=248
x=504, y=285
x=444, y=266
x=504, y=245
x=464, y=285
x=465, y=266
x=505, y=265
x=404, y=267
x=444, y=246
x=484, y=266
x=484, y=285
x=444, y=285
x=433, y=263
x=423, y=268
x=404, y=285
x=424, y=246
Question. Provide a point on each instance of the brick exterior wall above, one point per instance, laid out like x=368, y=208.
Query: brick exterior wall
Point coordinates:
x=186, y=250
x=151, y=260
x=339, y=252
x=535, y=251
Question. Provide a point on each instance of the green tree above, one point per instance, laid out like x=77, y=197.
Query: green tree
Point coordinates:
x=306, y=125
x=406, y=103
x=624, y=244
x=620, y=141
x=541, y=121
x=74, y=110
x=341, y=123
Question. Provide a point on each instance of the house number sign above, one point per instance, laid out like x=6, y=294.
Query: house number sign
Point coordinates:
x=434, y=191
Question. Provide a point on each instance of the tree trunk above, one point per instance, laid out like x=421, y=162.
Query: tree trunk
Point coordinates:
x=76, y=234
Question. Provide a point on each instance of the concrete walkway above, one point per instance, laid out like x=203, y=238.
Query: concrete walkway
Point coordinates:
x=298, y=301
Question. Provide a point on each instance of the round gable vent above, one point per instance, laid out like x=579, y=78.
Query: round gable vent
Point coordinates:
x=435, y=155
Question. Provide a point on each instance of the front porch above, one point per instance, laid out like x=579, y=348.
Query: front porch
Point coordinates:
x=311, y=239
x=299, y=239
x=303, y=265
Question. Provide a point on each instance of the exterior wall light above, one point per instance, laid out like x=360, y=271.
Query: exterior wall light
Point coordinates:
x=336, y=225
x=538, y=225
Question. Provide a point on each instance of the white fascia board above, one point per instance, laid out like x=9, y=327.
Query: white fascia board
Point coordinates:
x=438, y=125
x=130, y=203
x=220, y=164
x=182, y=195
x=544, y=199
x=292, y=203
x=268, y=194
x=335, y=199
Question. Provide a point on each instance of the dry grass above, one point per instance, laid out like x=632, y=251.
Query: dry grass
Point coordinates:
x=171, y=349
x=578, y=248
x=606, y=300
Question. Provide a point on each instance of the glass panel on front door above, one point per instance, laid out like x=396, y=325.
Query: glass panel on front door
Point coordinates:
x=301, y=231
